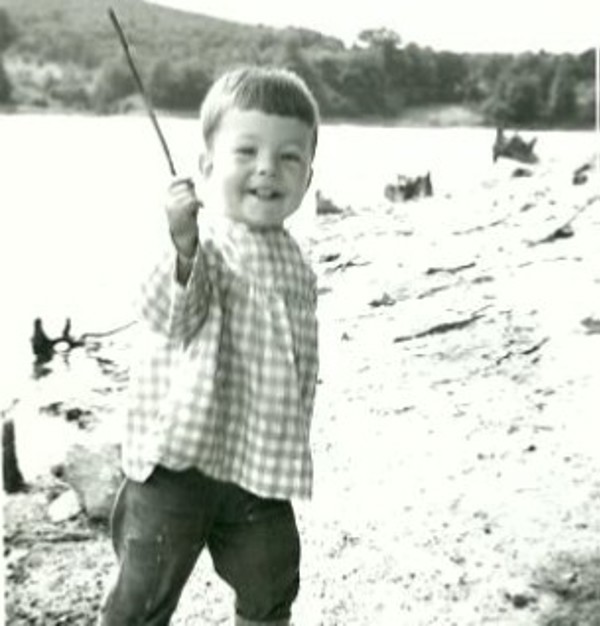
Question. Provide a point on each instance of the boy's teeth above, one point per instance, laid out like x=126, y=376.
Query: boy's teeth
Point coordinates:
x=265, y=194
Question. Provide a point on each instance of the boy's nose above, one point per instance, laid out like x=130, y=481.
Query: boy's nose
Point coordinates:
x=267, y=163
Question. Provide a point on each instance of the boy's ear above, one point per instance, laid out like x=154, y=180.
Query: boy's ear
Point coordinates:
x=205, y=164
x=310, y=177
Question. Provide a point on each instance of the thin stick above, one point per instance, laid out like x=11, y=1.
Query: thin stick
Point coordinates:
x=141, y=88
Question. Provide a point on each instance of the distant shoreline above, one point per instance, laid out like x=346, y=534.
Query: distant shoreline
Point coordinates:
x=431, y=116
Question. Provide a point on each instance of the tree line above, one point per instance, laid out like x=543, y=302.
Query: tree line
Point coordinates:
x=377, y=78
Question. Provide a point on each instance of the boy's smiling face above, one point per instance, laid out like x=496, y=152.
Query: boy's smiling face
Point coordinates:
x=258, y=167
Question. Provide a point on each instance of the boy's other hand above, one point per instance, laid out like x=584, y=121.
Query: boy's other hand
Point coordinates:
x=181, y=206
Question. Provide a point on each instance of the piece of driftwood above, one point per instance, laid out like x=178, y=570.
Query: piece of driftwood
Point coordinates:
x=44, y=347
x=592, y=325
x=409, y=188
x=522, y=172
x=580, y=175
x=325, y=206
x=449, y=270
x=431, y=292
x=444, y=327
x=384, y=300
x=12, y=478
x=344, y=265
x=513, y=148
x=525, y=352
x=49, y=535
x=565, y=231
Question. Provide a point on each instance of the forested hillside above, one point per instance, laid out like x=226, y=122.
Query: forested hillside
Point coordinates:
x=64, y=54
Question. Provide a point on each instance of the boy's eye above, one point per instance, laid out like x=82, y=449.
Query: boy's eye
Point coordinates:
x=293, y=157
x=245, y=150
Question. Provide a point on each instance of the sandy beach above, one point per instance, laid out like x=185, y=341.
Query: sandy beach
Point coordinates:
x=456, y=430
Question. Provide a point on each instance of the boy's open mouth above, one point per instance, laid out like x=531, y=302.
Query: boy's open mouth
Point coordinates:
x=265, y=194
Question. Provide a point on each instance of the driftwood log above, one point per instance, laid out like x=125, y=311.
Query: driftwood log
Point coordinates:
x=44, y=347
x=326, y=206
x=580, y=175
x=407, y=188
x=513, y=148
x=12, y=478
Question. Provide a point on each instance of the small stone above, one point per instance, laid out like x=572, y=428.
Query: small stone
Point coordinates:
x=520, y=600
x=92, y=469
x=65, y=507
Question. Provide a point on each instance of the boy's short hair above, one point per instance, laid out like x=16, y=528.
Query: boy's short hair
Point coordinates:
x=271, y=90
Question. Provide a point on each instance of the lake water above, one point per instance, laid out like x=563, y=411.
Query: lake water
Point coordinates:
x=80, y=206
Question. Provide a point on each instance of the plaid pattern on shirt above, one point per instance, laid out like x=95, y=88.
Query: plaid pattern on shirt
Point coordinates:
x=225, y=377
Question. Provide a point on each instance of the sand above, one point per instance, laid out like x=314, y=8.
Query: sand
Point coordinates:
x=455, y=434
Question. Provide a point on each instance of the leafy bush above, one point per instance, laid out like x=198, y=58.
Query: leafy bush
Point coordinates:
x=71, y=93
x=178, y=85
x=562, y=101
x=114, y=82
x=5, y=85
x=8, y=31
x=585, y=94
x=516, y=100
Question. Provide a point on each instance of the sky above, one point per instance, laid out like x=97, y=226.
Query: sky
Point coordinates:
x=459, y=25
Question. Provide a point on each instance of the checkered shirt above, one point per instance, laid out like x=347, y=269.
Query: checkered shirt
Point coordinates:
x=225, y=375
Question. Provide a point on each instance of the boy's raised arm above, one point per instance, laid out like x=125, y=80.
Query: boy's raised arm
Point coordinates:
x=181, y=207
x=177, y=309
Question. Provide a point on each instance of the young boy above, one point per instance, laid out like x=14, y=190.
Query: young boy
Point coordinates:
x=217, y=437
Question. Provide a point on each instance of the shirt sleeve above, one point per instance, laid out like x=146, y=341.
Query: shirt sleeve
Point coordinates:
x=310, y=378
x=171, y=309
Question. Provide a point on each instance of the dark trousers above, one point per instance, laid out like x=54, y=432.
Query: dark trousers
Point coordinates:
x=159, y=529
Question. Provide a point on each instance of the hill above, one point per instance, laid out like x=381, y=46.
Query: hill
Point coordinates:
x=64, y=54
x=80, y=32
